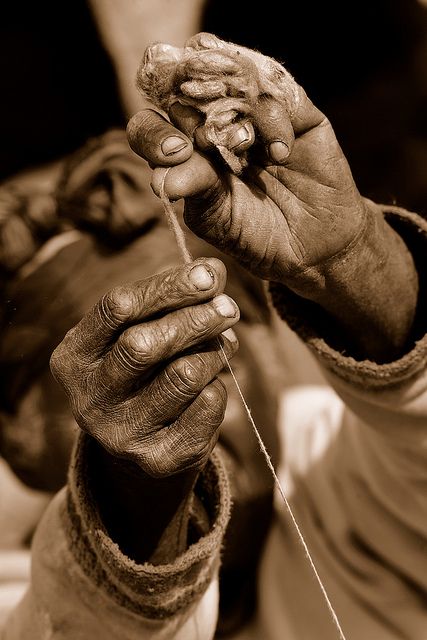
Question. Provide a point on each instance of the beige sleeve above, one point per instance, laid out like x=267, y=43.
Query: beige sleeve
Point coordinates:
x=127, y=27
x=82, y=586
x=376, y=465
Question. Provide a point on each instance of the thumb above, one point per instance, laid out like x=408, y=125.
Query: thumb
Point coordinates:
x=156, y=140
x=195, y=177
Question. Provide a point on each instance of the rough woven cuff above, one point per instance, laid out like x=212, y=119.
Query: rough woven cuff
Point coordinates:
x=154, y=591
x=312, y=325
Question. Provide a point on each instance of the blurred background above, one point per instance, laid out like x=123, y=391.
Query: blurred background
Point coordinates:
x=67, y=73
x=364, y=64
x=68, y=69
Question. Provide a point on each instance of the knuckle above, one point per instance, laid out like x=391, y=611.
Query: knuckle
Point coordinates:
x=175, y=286
x=152, y=456
x=116, y=306
x=118, y=441
x=165, y=452
x=84, y=421
x=110, y=444
x=199, y=319
x=96, y=415
x=57, y=363
x=87, y=415
x=185, y=378
x=201, y=453
x=114, y=443
x=175, y=456
x=213, y=399
x=158, y=465
x=169, y=283
x=273, y=111
x=62, y=360
x=137, y=347
x=193, y=449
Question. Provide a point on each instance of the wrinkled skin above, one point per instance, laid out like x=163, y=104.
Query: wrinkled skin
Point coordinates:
x=147, y=379
x=294, y=217
x=295, y=208
x=129, y=375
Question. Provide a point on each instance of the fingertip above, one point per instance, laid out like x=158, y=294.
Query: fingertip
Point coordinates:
x=232, y=340
x=154, y=138
x=242, y=138
x=230, y=335
x=173, y=145
x=219, y=269
x=226, y=307
x=278, y=151
x=274, y=127
x=207, y=275
x=202, y=276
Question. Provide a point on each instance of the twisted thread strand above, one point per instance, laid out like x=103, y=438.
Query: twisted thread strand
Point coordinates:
x=187, y=257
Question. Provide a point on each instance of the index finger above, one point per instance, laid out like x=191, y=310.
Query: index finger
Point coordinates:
x=154, y=138
x=124, y=306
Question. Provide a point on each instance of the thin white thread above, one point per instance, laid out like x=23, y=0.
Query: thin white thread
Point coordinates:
x=180, y=239
x=173, y=221
x=285, y=500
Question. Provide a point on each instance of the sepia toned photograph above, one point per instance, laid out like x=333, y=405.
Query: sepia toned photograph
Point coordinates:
x=213, y=328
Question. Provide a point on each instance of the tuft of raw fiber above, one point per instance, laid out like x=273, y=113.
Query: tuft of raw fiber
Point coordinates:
x=223, y=81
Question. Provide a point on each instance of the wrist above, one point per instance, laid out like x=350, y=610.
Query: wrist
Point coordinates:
x=147, y=517
x=369, y=288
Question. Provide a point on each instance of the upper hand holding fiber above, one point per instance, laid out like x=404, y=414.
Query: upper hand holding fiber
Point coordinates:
x=281, y=199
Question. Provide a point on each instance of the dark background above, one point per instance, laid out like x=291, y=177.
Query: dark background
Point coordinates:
x=364, y=64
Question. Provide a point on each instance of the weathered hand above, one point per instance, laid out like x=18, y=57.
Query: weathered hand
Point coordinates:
x=140, y=368
x=295, y=206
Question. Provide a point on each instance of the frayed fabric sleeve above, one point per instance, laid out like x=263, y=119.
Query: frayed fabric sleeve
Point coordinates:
x=376, y=462
x=391, y=397
x=320, y=334
x=83, y=586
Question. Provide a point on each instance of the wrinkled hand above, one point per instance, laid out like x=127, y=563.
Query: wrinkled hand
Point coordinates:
x=294, y=207
x=140, y=368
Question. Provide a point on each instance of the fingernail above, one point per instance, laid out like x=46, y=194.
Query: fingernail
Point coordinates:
x=241, y=135
x=172, y=145
x=230, y=335
x=243, y=138
x=278, y=151
x=201, y=277
x=224, y=306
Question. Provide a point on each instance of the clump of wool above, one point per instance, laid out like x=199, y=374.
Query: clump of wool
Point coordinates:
x=221, y=80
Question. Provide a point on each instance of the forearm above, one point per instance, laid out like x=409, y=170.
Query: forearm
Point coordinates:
x=371, y=290
x=147, y=517
x=127, y=28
